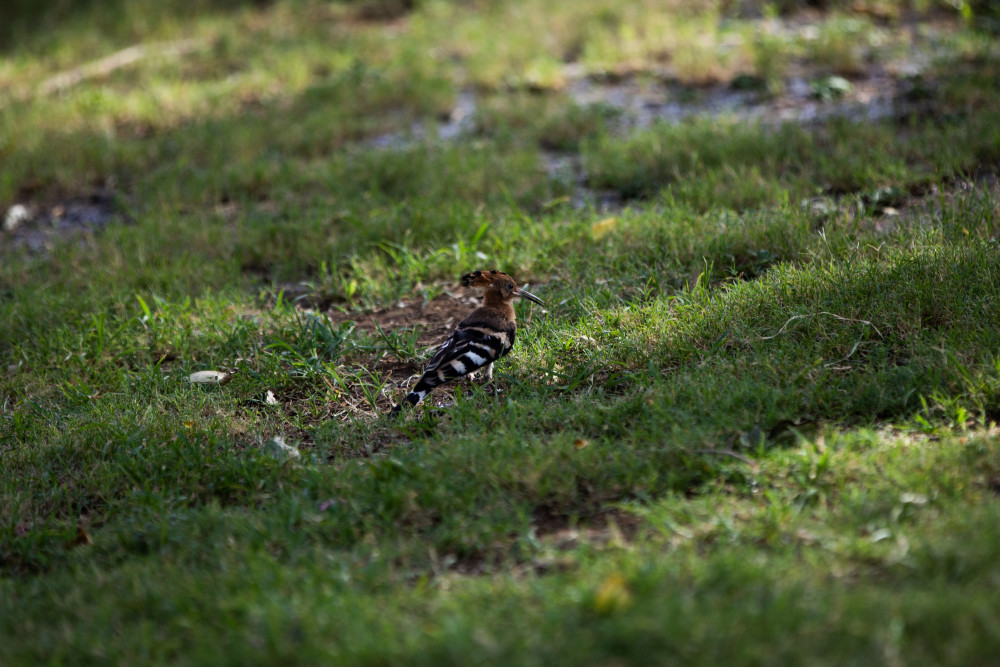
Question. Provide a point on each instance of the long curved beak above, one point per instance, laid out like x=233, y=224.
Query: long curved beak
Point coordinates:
x=529, y=296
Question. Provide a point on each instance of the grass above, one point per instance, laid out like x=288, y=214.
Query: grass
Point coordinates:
x=756, y=421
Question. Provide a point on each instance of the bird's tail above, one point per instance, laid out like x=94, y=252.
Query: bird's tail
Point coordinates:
x=412, y=399
x=429, y=380
x=422, y=388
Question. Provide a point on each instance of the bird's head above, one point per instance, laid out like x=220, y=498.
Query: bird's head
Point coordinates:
x=497, y=284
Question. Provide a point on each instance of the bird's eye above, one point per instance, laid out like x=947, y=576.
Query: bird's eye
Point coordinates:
x=510, y=286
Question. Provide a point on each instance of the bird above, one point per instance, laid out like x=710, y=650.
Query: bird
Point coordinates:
x=485, y=336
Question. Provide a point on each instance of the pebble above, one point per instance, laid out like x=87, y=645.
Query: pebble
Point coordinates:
x=16, y=214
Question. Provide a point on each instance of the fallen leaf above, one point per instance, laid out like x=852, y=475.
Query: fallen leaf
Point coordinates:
x=81, y=539
x=880, y=534
x=602, y=228
x=580, y=443
x=613, y=595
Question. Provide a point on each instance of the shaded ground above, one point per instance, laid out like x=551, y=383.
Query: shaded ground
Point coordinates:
x=894, y=209
x=34, y=226
x=434, y=319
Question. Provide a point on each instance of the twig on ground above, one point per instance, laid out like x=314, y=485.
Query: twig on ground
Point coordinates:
x=118, y=60
x=822, y=312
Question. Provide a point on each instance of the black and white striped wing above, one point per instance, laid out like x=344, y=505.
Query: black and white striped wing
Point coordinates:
x=467, y=350
x=471, y=347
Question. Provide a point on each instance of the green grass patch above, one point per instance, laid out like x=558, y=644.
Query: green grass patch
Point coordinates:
x=755, y=421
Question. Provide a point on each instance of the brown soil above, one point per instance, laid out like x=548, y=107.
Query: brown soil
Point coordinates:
x=435, y=318
x=606, y=525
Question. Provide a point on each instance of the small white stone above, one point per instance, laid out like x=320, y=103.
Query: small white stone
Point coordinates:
x=16, y=214
x=880, y=534
x=209, y=377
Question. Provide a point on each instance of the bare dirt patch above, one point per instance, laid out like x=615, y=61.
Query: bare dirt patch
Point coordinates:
x=432, y=321
x=435, y=318
x=607, y=525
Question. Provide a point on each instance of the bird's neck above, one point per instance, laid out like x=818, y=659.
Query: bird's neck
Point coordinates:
x=497, y=303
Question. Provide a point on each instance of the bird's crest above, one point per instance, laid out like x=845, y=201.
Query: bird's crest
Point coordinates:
x=484, y=278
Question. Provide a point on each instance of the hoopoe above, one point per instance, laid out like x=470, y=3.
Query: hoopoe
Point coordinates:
x=483, y=337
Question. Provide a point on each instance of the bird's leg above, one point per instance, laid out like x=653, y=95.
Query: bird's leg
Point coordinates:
x=489, y=385
x=487, y=371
